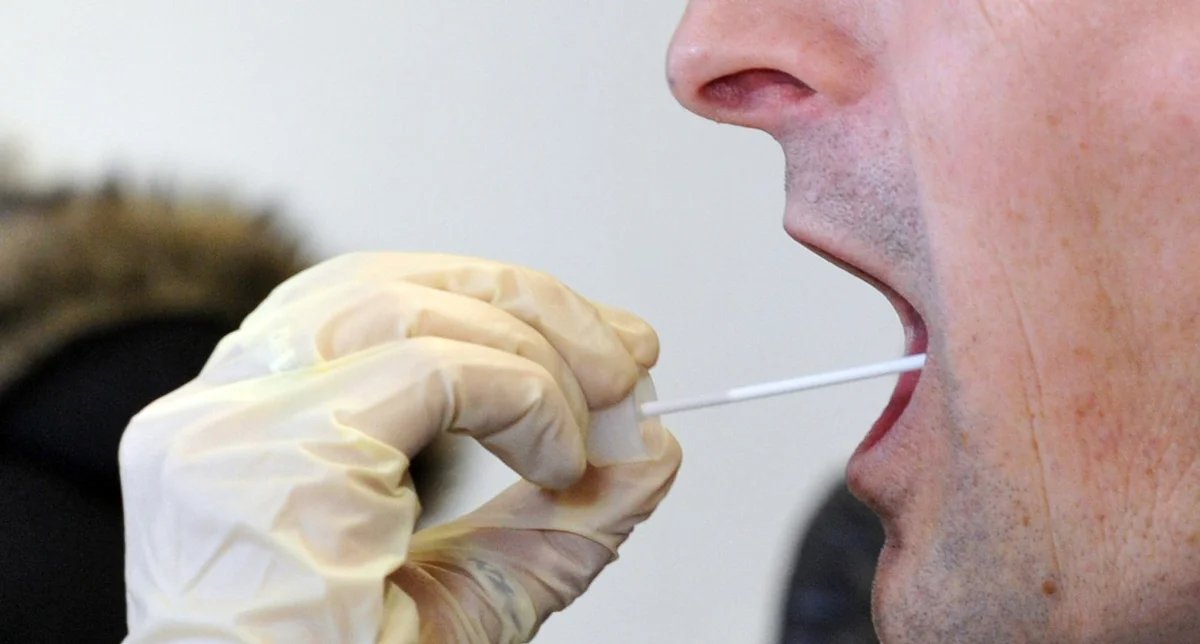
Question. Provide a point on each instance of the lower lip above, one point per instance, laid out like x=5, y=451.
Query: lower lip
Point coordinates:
x=903, y=393
x=895, y=408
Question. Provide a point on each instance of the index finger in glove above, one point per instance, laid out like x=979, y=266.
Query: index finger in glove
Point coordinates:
x=639, y=338
x=335, y=321
x=597, y=354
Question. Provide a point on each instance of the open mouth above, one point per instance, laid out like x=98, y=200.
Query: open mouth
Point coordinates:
x=916, y=341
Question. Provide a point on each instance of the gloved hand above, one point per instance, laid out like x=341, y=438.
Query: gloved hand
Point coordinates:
x=268, y=501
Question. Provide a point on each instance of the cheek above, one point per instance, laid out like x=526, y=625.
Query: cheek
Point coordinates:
x=950, y=93
x=1045, y=137
x=996, y=154
x=1040, y=173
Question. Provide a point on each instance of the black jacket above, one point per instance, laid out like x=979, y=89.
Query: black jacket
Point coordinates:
x=106, y=303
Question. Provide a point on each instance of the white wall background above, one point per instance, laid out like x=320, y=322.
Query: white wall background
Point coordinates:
x=535, y=131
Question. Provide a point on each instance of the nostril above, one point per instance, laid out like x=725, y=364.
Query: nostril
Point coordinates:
x=755, y=88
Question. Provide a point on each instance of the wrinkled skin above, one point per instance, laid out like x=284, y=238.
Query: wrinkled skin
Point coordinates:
x=1026, y=175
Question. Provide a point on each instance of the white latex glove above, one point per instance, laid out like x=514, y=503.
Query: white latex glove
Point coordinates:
x=268, y=500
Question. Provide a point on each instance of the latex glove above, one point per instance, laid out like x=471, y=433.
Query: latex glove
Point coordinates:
x=268, y=501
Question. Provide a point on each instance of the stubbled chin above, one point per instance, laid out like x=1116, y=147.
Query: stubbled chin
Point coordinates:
x=884, y=592
x=896, y=595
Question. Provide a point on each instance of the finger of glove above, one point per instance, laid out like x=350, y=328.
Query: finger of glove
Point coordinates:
x=406, y=393
x=497, y=573
x=486, y=587
x=603, y=506
x=332, y=322
x=400, y=395
x=592, y=348
x=639, y=338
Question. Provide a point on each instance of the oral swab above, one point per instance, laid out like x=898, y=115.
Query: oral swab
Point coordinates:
x=780, y=387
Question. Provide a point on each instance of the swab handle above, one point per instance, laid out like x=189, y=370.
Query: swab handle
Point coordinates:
x=780, y=387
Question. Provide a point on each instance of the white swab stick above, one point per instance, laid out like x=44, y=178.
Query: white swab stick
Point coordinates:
x=766, y=389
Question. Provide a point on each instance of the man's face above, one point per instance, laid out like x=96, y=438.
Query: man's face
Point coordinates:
x=1023, y=179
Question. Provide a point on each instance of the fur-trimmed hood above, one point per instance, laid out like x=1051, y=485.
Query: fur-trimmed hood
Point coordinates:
x=74, y=263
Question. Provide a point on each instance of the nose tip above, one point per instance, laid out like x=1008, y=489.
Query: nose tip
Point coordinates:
x=684, y=61
x=690, y=67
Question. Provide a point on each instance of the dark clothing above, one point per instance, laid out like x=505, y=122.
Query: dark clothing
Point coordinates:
x=829, y=594
x=107, y=302
x=62, y=546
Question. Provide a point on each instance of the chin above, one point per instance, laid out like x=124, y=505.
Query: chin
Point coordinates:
x=887, y=593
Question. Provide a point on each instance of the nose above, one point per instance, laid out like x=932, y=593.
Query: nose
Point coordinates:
x=760, y=63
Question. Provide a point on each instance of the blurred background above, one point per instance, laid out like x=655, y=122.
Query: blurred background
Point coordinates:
x=533, y=131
